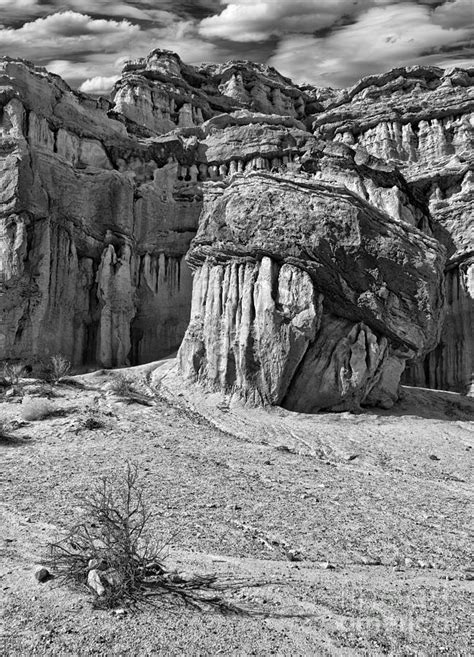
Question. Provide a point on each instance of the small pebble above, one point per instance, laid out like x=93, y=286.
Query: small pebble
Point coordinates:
x=42, y=575
x=120, y=612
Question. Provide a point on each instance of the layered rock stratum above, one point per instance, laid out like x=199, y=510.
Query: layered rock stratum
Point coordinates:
x=331, y=227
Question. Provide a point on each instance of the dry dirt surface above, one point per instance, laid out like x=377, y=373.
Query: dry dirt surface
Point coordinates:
x=356, y=526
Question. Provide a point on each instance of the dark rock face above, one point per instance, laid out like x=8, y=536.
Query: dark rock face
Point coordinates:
x=99, y=202
x=305, y=295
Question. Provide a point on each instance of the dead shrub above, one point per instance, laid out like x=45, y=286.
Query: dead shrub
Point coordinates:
x=5, y=432
x=12, y=373
x=111, y=551
x=8, y=437
x=124, y=388
x=91, y=420
x=36, y=408
x=121, y=386
x=59, y=367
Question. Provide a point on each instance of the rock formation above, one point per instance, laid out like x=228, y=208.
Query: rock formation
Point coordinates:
x=98, y=205
x=95, y=224
x=421, y=119
x=100, y=199
x=307, y=296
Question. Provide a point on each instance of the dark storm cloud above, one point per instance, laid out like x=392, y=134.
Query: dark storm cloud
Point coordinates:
x=327, y=42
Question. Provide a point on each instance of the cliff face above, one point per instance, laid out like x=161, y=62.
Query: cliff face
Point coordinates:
x=162, y=93
x=422, y=120
x=98, y=205
x=95, y=225
x=99, y=201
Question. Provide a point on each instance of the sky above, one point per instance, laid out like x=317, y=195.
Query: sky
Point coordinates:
x=327, y=43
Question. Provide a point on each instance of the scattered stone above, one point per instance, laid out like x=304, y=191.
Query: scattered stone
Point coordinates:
x=371, y=561
x=285, y=448
x=43, y=575
x=94, y=582
x=293, y=555
x=120, y=612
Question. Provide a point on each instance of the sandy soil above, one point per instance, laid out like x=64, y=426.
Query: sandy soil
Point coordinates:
x=374, y=507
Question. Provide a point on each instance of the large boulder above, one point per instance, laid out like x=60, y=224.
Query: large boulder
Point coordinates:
x=307, y=296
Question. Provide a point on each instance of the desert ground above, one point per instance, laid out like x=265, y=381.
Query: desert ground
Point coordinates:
x=355, y=526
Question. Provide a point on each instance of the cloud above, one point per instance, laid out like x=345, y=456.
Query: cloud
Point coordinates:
x=78, y=47
x=456, y=13
x=22, y=11
x=104, y=8
x=76, y=72
x=327, y=42
x=248, y=20
x=253, y=20
x=382, y=38
x=65, y=33
x=98, y=85
x=14, y=10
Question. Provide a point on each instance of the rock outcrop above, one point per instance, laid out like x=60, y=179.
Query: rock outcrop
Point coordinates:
x=162, y=93
x=94, y=229
x=100, y=199
x=422, y=120
x=306, y=296
x=98, y=205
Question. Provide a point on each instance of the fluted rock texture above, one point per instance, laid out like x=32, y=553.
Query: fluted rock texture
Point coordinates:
x=93, y=235
x=307, y=296
x=100, y=199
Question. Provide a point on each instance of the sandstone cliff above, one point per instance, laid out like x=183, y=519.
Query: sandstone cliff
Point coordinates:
x=95, y=225
x=422, y=120
x=98, y=205
x=100, y=199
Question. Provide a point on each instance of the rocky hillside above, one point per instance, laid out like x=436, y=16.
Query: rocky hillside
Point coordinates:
x=360, y=197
